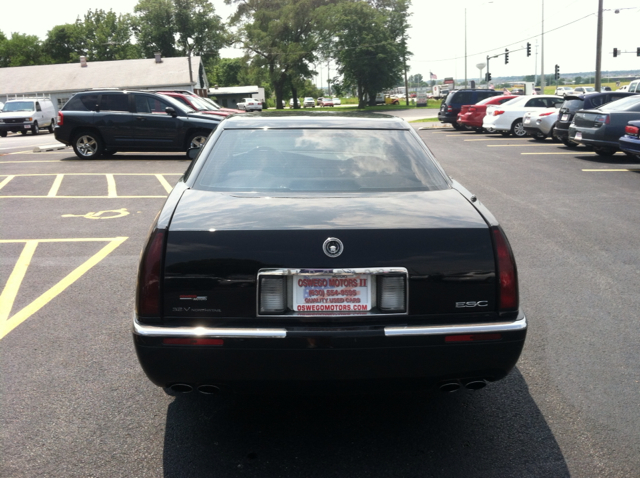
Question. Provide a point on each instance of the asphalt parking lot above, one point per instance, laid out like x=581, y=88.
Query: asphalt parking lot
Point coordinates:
x=74, y=401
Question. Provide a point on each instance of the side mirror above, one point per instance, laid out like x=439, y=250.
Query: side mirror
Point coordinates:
x=170, y=111
x=192, y=153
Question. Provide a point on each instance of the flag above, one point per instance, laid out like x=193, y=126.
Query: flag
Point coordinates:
x=432, y=76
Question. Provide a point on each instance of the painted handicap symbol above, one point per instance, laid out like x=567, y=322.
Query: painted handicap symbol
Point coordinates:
x=113, y=214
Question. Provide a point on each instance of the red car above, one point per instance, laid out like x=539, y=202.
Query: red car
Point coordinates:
x=326, y=102
x=472, y=115
x=199, y=104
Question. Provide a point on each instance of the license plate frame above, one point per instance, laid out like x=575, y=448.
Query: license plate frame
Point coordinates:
x=578, y=135
x=332, y=293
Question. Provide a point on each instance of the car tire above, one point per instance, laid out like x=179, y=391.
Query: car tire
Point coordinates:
x=602, y=151
x=87, y=145
x=3, y=134
x=52, y=125
x=197, y=140
x=35, y=129
x=517, y=129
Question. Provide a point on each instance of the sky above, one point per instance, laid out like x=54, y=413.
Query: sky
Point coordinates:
x=437, y=33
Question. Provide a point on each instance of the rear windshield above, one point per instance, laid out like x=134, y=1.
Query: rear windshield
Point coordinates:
x=319, y=160
x=630, y=103
x=572, y=105
x=18, y=106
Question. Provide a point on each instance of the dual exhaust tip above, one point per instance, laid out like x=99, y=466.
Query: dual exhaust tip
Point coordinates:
x=455, y=385
x=183, y=388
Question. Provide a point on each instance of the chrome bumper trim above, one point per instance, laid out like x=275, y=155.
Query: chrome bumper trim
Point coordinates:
x=520, y=324
x=208, y=332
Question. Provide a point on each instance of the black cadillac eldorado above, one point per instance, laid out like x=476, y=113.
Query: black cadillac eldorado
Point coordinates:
x=324, y=250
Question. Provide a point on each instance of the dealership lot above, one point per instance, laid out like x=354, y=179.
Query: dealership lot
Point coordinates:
x=75, y=402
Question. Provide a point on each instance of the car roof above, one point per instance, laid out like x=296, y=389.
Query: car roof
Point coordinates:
x=301, y=119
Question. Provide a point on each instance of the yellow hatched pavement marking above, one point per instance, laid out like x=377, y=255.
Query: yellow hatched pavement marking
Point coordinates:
x=112, y=191
x=111, y=186
x=164, y=183
x=6, y=181
x=10, y=292
x=56, y=186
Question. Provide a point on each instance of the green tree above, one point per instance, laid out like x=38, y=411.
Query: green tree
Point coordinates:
x=282, y=37
x=199, y=29
x=155, y=28
x=578, y=80
x=107, y=36
x=21, y=50
x=369, y=56
x=226, y=71
x=65, y=43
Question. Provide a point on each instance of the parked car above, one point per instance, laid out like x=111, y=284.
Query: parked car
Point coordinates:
x=471, y=116
x=309, y=102
x=319, y=101
x=634, y=86
x=601, y=128
x=336, y=101
x=196, y=103
x=250, y=104
x=300, y=102
x=400, y=278
x=454, y=101
x=564, y=90
x=573, y=103
x=507, y=119
x=27, y=114
x=326, y=102
x=630, y=141
x=540, y=124
x=583, y=90
x=99, y=123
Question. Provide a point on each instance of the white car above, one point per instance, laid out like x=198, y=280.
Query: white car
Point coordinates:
x=564, y=90
x=336, y=101
x=250, y=104
x=507, y=118
x=309, y=102
x=583, y=90
x=540, y=124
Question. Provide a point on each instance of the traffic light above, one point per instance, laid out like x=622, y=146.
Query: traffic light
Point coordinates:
x=528, y=49
x=615, y=52
x=487, y=76
x=557, y=75
x=506, y=56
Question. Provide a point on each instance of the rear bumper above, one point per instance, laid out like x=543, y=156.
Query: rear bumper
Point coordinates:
x=262, y=358
x=629, y=144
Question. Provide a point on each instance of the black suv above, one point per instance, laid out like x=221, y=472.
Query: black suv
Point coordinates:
x=452, y=104
x=98, y=123
x=573, y=103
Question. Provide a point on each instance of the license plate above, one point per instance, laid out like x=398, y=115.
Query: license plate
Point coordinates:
x=332, y=293
x=565, y=117
x=27, y=126
x=578, y=134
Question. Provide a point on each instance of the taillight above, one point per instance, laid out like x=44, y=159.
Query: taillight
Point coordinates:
x=149, y=276
x=392, y=293
x=546, y=114
x=449, y=109
x=602, y=119
x=60, y=121
x=471, y=110
x=498, y=112
x=506, y=271
x=632, y=130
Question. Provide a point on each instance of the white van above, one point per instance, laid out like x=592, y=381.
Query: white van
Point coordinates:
x=27, y=114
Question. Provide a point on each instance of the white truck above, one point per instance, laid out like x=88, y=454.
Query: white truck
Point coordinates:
x=440, y=91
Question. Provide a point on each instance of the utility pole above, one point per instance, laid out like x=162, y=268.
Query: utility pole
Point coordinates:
x=542, y=54
x=535, y=77
x=465, y=47
x=599, y=48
